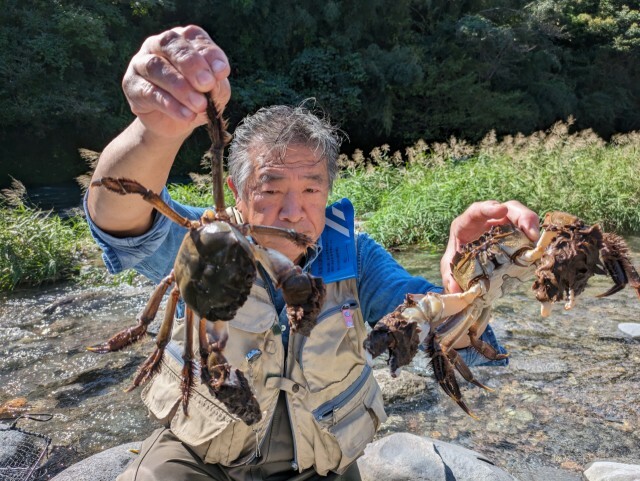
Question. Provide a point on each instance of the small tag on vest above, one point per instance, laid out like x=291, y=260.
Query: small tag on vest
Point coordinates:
x=337, y=261
x=346, y=315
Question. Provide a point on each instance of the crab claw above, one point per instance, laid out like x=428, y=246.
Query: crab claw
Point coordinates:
x=397, y=335
x=445, y=375
x=302, y=292
x=615, y=257
x=304, y=295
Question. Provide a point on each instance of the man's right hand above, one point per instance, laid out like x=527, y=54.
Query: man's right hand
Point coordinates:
x=165, y=84
x=166, y=81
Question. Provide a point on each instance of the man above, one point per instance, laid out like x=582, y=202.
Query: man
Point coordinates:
x=320, y=403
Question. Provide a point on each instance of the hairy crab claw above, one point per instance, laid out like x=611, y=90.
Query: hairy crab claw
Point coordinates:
x=567, y=254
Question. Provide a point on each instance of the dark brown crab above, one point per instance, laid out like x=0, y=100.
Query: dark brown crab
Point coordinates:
x=568, y=253
x=214, y=270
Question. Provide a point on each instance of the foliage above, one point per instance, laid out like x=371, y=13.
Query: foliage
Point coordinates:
x=387, y=72
x=401, y=199
x=37, y=246
x=553, y=170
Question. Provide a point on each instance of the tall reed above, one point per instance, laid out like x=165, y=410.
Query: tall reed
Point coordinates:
x=412, y=198
x=37, y=246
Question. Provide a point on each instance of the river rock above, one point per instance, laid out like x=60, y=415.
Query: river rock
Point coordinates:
x=104, y=466
x=407, y=457
x=610, y=471
x=404, y=386
x=630, y=328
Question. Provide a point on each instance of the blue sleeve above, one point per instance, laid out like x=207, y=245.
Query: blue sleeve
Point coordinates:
x=153, y=253
x=471, y=357
x=383, y=284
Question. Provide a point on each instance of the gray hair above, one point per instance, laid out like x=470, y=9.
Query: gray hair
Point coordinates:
x=271, y=130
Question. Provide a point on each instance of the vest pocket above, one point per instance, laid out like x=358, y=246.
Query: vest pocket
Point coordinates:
x=353, y=417
x=332, y=350
x=205, y=417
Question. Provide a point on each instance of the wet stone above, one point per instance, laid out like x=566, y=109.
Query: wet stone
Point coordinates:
x=630, y=329
x=611, y=471
x=104, y=466
x=404, y=456
x=404, y=386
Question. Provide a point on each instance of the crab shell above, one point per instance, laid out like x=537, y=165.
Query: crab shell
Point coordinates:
x=215, y=269
x=479, y=259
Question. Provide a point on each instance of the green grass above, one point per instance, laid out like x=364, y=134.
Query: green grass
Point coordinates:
x=412, y=199
x=38, y=247
x=401, y=199
x=198, y=193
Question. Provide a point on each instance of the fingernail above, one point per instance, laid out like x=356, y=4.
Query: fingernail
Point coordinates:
x=218, y=66
x=197, y=100
x=205, y=77
x=186, y=113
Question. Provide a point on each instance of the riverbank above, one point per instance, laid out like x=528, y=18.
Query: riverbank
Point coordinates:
x=400, y=199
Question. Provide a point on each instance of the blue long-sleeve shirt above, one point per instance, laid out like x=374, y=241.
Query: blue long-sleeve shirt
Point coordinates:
x=382, y=282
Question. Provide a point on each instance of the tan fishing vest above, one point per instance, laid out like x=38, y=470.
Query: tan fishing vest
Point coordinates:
x=335, y=405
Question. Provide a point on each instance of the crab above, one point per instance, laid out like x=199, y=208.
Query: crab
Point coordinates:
x=213, y=273
x=567, y=254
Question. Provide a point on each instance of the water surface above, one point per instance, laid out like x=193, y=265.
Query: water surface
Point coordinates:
x=570, y=395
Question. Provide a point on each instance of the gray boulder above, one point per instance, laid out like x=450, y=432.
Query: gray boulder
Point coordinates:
x=397, y=457
x=610, y=471
x=407, y=457
x=104, y=466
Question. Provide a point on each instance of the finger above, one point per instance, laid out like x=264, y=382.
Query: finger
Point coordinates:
x=158, y=72
x=214, y=55
x=448, y=282
x=151, y=98
x=524, y=218
x=487, y=211
x=475, y=220
x=184, y=55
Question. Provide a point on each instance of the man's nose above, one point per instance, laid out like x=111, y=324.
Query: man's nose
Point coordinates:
x=292, y=210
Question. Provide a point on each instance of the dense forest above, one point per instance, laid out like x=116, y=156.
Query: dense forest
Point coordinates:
x=389, y=72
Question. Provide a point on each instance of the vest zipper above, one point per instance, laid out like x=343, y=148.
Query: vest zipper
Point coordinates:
x=349, y=305
x=327, y=409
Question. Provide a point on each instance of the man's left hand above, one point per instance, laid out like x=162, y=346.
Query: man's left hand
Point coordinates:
x=475, y=221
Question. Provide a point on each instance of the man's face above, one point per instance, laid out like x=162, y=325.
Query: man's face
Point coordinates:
x=290, y=193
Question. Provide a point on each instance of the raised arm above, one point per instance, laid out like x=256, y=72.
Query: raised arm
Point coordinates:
x=165, y=85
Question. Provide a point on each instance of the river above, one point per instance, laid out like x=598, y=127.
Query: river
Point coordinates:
x=570, y=395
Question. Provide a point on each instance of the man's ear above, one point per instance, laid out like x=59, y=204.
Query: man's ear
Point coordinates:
x=233, y=188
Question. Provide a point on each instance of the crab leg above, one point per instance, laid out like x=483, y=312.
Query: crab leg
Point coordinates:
x=152, y=364
x=535, y=254
x=302, y=292
x=615, y=258
x=297, y=238
x=131, y=335
x=530, y=256
x=433, y=308
x=464, y=370
x=125, y=186
x=186, y=386
x=454, y=327
x=217, y=129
